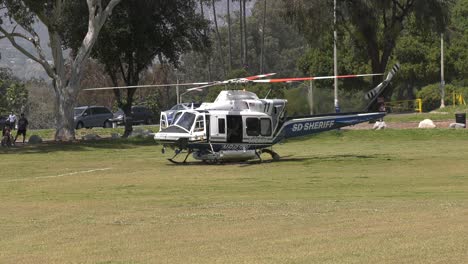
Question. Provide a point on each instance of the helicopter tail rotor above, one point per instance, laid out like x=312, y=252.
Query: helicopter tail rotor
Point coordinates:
x=375, y=93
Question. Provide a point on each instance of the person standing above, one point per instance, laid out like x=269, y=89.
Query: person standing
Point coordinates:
x=12, y=120
x=22, y=127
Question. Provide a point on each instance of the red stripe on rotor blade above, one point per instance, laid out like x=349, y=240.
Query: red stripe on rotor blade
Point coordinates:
x=251, y=78
x=284, y=80
x=312, y=78
x=346, y=76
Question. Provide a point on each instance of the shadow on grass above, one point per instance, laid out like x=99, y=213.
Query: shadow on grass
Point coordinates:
x=50, y=147
x=290, y=159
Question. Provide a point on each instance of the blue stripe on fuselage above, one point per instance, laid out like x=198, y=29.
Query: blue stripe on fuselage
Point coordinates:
x=307, y=126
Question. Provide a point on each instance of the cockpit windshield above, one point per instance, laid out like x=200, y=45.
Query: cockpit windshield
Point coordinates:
x=186, y=121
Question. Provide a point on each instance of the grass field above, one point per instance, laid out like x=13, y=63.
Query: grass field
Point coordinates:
x=392, y=196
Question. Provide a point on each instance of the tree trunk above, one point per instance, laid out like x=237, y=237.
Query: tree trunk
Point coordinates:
x=229, y=34
x=206, y=56
x=244, y=17
x=241, y=23
x=128, y=116
x=220, y=49
x=65, y=99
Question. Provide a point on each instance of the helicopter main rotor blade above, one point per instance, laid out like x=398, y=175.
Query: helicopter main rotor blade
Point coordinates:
x=201, y=84
x=147, y=86
x=200, y=88
x=232, y=81
x=300, y=79
x=251, y=78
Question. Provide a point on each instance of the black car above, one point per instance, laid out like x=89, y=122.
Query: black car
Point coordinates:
x=140, y=115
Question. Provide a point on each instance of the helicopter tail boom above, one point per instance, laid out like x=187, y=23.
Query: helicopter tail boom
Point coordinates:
x=308, y=125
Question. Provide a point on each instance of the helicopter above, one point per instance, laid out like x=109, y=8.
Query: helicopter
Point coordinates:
x=239, y=126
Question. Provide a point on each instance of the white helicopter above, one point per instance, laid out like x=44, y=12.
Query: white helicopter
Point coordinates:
x=238, y=126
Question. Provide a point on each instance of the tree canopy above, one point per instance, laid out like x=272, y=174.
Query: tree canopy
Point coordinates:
x=373, y=26
x=137, y=33
x=23, y=15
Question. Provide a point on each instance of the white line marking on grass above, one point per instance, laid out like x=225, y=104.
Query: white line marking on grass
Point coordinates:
x=60, y=175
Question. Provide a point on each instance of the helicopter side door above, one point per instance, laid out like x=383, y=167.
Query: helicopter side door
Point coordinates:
x=200, y=127
x=218, y=128
x=234, y=129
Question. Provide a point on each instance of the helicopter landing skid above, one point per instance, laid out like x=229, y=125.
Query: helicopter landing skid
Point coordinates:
x=177, y=154
x=275, y=156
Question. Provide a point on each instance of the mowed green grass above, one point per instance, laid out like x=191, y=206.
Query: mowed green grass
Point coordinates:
x=392, y=196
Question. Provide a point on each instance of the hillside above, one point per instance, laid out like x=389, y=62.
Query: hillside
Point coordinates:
x=25, y=68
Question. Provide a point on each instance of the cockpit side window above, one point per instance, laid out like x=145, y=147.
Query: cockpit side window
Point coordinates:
x=200, y=124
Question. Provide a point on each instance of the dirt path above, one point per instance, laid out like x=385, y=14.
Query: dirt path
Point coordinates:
x=399, y=125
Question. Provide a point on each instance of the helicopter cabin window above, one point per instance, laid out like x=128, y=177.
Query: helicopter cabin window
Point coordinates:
x=257, y=127
x=265, y=127
x=199, y=124
x=221, y=126
x=253, y=127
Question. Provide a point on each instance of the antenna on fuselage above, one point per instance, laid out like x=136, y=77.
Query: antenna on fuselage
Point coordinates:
x=266, y=96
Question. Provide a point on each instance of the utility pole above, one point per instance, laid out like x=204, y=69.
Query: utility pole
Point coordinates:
x=310, y=97
x=442, y=81
x=177, y=91
x=179, y=76
x=335, y=59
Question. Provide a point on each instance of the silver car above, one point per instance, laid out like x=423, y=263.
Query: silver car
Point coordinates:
x=92, y=116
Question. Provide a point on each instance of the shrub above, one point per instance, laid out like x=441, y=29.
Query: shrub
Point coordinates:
x=430, y=95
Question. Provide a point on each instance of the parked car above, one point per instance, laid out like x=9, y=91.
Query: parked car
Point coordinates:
x=140, y=115
x=92, y=116
x=178, y=107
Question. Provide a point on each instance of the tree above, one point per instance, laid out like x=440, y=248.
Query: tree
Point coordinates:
x=375, y=26
x=419, y=55
x=458, y=46
x=282, y=47
x=23, y=15
x=138, y=33
x=13, y=93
